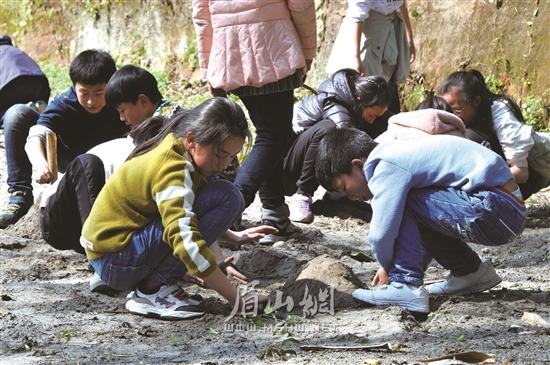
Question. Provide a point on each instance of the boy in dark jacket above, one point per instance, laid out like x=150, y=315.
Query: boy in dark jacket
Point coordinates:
x=344, y=100
x=21, y=80
x=79, y=117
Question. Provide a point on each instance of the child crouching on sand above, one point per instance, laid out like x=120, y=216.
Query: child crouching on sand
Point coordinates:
x=158, y=215
x=437, y=194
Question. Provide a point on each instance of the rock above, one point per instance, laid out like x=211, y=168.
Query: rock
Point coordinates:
x=535, y=320
x=4, y=348
x=278, y=244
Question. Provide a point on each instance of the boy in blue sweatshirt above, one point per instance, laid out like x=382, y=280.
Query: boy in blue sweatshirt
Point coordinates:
x=79, y=117
x=429, y=197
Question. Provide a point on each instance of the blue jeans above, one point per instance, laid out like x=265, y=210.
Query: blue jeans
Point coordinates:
x=263, y=169
x=17, y=122
x=438, y=222
x=147, y=258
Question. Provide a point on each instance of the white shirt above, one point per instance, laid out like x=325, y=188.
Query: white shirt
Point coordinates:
x=515, y=137
x=358, y=10
x=112, y=153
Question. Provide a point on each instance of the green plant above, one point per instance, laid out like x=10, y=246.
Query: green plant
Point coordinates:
x=173, y=339
x=414, y=97
x=534, y=113
x=495, y=83
x=58, y=77
x=213, y=332
x=458, y=338
x=191, y=53
x=67, y=334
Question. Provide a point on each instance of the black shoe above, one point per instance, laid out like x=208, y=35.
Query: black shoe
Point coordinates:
x=287, y=230
x=14, y=211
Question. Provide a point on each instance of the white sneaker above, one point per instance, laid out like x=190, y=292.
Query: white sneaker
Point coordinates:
x=483, y=279
x=170, y=302
x=404, y=295
x=300, y=208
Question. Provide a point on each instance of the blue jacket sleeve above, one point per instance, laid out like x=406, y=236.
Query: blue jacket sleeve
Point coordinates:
x=390, y=185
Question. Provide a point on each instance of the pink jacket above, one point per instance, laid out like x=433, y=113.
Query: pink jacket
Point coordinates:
x=253, y=42
x=422, y=123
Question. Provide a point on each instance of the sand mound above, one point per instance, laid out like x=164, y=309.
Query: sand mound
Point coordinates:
x=28, y=226
x=267, y=264
x=320, y=274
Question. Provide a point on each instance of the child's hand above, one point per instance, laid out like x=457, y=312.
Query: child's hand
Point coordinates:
x=231, y=271
x=380, y=278
x=250, y=297
x=194, y=279
x=42, y=174
x=249, y=235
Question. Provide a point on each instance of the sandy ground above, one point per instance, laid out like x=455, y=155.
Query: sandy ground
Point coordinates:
x=49, y=316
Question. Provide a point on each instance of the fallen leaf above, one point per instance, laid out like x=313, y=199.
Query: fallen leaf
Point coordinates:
x=6, y=298
x=383, y=346
x=472, y=357
x=361, y=257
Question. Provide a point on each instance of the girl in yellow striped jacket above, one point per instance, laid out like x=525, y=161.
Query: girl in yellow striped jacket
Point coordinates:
x=156, y=217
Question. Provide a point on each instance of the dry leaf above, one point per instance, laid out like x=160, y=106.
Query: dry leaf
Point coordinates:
x=472, y=357
x=383, y=346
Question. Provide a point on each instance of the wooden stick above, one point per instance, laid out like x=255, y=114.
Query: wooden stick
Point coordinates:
x=51, y=154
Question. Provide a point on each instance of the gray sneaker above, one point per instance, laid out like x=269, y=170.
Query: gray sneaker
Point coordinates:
x=483, y=279
x=15, y=211
x=287, y=230
x=404, y=295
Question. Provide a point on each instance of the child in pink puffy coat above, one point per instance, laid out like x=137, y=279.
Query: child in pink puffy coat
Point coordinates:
x=260, y=51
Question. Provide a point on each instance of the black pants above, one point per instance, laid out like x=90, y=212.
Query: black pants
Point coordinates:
x=299, y=164
x=263, y=169
x=394, y=105
x=62, y=219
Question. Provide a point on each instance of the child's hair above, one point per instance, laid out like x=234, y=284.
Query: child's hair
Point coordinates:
x=210, y=123
x=5, y=40
x=128, y=83
x=433, y=101
x=336, y=151
x=92, y=67
x=469, y=85
x=371, y=91
x=147, y=129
